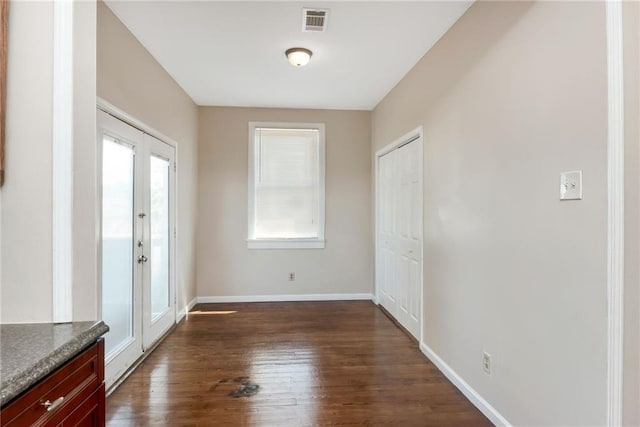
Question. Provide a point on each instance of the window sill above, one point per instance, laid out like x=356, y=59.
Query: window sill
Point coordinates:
x=285, y=243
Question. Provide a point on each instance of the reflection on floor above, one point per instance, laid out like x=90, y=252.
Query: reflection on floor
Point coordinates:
x=289, y=364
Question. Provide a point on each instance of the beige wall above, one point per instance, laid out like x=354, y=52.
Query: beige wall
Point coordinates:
x=26, y=195
x=26, y=212
x=511, y=96
x=631, y=26
x=131, y=79
x=226, y=267
x=142, y=88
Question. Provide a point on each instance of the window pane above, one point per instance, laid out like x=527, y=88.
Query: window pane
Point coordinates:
x=287, y=183
x=286, y=213
x=288, y=158
x=117, y=243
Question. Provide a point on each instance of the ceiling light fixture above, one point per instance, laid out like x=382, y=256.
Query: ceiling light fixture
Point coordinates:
x=298, y=56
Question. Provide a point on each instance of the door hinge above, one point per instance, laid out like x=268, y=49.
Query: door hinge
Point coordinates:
x=175, y=166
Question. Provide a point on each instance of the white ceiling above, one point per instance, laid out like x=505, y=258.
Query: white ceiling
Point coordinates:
x=232, y=53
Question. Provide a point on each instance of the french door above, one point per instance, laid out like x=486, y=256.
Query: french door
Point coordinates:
x=137, y=241
x=399, y=242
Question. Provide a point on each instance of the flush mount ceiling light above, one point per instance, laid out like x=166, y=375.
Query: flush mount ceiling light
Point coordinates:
x=298, y=56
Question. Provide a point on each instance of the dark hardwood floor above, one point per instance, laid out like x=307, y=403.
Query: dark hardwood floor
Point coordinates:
x=314, y=363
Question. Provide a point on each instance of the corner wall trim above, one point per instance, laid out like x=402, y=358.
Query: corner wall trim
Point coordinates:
x=615, y=223
x=62, y=162
x=284, y=298
x=473, y=396
x=184, y=311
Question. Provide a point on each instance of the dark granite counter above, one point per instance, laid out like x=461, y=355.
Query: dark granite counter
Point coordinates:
x=30, y=352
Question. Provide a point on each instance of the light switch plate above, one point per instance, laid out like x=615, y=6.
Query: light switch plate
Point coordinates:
x=571, y=185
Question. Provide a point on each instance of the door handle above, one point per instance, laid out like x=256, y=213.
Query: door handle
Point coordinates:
x=142, y=259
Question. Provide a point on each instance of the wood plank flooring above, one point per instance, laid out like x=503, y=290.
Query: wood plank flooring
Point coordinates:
x=315, y=363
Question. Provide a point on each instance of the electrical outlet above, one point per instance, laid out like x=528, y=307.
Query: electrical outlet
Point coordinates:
x=486, y=363
x=292, y=277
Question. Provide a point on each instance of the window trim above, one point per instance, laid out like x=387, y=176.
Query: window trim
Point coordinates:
x=286, y=243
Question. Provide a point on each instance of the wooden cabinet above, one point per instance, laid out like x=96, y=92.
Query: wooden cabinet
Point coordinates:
x=72, y=395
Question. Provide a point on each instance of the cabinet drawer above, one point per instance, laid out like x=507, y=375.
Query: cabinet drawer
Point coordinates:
x=81, y=375
x=90, y=413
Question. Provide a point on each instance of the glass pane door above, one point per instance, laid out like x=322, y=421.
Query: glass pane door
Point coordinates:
x=137, y=242
x=120, y=236
x=159, y=235
x=117, y=242
x=158, y=272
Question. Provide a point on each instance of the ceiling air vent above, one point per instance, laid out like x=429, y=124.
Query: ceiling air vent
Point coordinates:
x=314, y=19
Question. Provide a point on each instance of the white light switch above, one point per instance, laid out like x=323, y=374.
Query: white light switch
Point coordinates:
x=571, y=185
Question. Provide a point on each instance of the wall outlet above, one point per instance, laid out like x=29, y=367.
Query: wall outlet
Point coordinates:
x=486, y=363
x=292, y=277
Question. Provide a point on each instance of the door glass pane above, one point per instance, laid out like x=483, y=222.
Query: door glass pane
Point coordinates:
x=159, y=217
x=117, y=242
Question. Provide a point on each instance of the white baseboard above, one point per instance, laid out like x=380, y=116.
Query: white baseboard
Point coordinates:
x=183, y=311
x=473, y=396
x=285, y=298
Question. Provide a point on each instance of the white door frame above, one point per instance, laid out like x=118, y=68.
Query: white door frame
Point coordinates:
x=615, y=213
x=416, y=135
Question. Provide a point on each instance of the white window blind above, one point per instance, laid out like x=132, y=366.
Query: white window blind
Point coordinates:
x=287, y=192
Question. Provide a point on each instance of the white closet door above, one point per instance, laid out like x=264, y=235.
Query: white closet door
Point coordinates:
x=387, y=232
x=399, y=251
x=409, y=237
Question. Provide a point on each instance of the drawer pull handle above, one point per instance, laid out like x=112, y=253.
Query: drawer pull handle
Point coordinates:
x=51, y=406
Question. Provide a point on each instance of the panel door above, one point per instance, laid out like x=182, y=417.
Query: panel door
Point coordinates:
x=386, y=263
x=409, y=236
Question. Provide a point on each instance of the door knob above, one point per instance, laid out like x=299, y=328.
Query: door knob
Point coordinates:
x=142, y=259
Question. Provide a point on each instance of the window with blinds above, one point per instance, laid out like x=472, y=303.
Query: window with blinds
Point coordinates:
x=286, y=185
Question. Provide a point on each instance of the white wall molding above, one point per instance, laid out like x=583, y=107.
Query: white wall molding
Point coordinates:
x=473, y=396
x=615, y=230
x=62, y=159
x=285, y=298
x=184, y=311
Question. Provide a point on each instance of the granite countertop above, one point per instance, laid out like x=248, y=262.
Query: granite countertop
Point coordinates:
x=31, y=351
